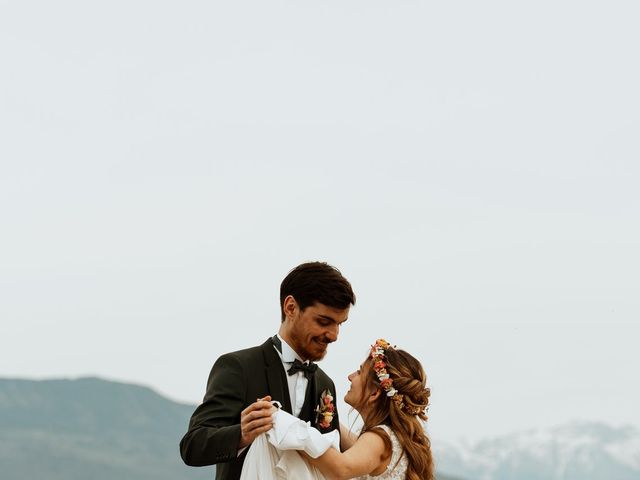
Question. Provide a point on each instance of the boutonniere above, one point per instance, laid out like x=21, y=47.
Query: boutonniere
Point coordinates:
x=325, y=411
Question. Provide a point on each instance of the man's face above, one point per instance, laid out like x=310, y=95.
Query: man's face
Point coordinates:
x=309, y=332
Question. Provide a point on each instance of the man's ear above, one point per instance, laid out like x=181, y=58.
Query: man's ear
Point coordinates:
x=290, y=307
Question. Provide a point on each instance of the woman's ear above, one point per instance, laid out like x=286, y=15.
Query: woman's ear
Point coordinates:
x=373, y=396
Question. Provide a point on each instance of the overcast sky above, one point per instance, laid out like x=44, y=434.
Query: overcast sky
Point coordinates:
x=471, y=167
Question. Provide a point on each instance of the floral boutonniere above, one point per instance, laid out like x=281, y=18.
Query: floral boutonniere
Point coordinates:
x=325, y=411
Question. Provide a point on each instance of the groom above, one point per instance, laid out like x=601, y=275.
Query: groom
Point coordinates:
x=315, y=300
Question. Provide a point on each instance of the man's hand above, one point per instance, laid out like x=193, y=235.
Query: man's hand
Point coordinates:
x=256, y=419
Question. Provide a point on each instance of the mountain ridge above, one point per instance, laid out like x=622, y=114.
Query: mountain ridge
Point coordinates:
x=576, y=450
x=90, y=427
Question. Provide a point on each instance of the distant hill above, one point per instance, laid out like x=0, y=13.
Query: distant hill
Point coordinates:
x=92, y=429
x=576, y=451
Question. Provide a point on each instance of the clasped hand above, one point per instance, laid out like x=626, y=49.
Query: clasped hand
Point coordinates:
x=256, y=419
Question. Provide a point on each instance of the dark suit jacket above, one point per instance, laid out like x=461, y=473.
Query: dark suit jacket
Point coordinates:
x=237, y=380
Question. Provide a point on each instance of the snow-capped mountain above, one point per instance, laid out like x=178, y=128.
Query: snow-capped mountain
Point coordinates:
x=576, y=451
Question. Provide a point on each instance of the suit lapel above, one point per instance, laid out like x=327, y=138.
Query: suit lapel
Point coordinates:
x=307, y=412
x=278, y=387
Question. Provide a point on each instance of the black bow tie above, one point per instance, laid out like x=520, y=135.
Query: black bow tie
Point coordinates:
x=307, y=368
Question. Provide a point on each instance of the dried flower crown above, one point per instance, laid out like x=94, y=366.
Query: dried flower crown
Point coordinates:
x=386, y=382
x=377, y=355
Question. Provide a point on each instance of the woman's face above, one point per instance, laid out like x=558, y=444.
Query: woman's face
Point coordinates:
x=356, y=394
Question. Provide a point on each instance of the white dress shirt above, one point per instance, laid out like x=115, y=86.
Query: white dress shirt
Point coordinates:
x=297, y=382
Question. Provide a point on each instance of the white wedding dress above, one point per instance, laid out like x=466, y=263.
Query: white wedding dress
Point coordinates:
x=397, y=468
x=273, y=455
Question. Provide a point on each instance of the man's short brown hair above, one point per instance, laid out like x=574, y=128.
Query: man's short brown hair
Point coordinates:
x=317, y=282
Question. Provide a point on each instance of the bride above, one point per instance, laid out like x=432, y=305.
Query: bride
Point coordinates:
x=389, y=391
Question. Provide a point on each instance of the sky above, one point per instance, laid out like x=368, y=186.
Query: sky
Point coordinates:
x=470, y=167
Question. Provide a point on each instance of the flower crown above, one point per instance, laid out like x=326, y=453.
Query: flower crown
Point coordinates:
x=386, y=382
x=377, y=355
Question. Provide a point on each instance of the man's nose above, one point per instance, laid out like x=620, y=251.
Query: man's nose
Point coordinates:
x=332, y=333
